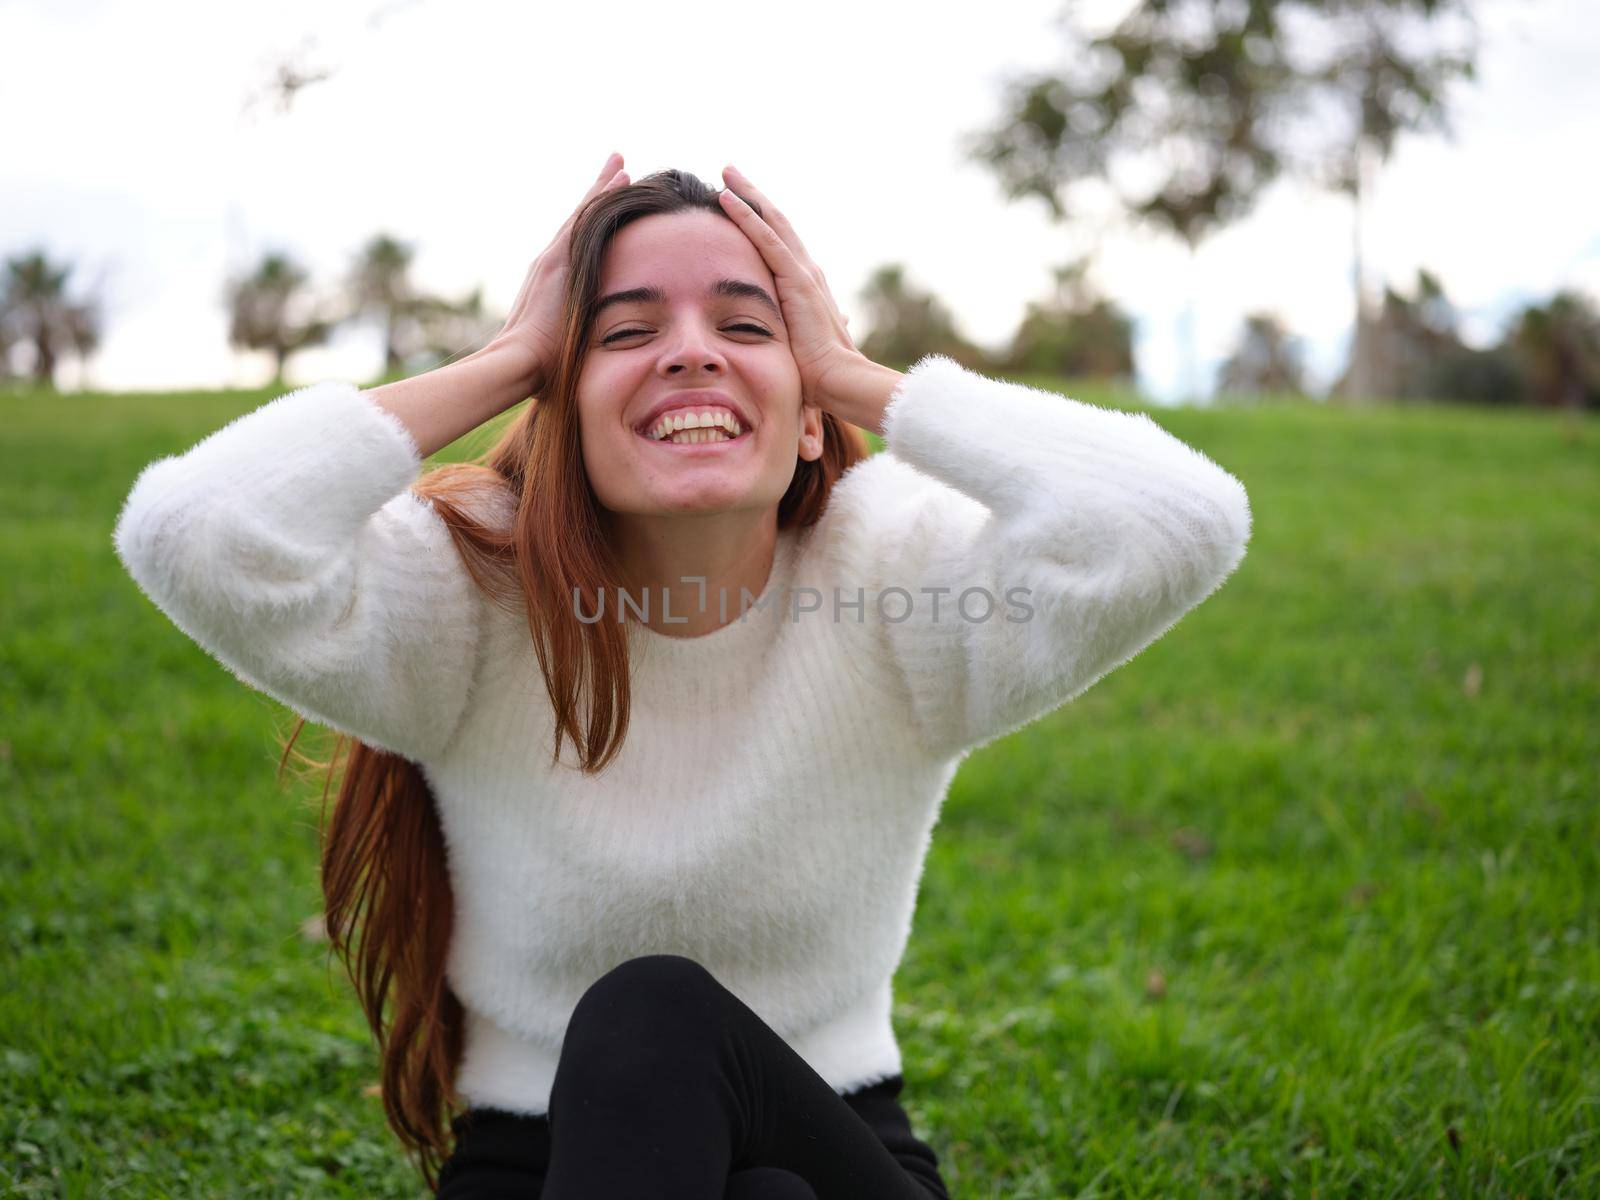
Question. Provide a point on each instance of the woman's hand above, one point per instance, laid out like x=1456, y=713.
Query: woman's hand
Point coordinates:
x=834, y=375
x=533, y=330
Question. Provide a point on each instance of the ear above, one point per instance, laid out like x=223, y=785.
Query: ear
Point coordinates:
x=810, y=447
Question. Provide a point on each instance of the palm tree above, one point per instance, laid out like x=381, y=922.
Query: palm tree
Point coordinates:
x=380, y=284
x=34, y=309
x=259, y=312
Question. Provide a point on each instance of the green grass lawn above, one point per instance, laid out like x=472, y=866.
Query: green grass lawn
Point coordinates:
x=1302, y=901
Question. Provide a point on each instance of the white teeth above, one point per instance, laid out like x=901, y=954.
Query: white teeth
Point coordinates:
x=720, y=420
x=693, y=437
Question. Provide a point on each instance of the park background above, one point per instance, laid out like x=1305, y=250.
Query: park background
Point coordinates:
x=1302, y=901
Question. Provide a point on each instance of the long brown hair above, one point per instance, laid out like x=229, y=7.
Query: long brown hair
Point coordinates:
x=529, y=531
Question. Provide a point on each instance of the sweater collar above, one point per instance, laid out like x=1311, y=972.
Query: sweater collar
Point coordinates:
x=735, y=645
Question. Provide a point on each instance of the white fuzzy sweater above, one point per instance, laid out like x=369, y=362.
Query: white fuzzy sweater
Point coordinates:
x=771, y=807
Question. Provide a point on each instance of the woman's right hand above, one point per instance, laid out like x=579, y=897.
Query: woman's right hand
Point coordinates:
x=533, y=329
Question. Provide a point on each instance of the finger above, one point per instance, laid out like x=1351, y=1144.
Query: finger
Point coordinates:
x=828, y=292
x=608, y=177
x=780, y=225
x=769, y=211
x=779, y=258
x=614, y=179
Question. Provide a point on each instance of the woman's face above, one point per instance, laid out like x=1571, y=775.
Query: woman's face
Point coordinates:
x=691, y=347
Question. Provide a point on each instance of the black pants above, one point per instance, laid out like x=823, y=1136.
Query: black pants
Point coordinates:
x=669, y=1087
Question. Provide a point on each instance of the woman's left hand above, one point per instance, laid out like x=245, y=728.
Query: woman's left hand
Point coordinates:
x=831, y=367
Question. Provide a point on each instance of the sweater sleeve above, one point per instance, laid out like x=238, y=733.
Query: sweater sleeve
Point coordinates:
x=1092, y=531
x=289, y=546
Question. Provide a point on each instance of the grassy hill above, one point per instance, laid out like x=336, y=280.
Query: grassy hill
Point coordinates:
x=1304, y=900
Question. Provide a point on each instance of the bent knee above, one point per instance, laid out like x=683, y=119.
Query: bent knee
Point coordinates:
x=673, y=973
x=650, y=969
x=652, y=1013
x=657, y=989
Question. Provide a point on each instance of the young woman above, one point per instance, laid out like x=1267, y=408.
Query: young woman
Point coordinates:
x=651, y=709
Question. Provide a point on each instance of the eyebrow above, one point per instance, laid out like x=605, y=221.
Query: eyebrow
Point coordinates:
x=722, y=287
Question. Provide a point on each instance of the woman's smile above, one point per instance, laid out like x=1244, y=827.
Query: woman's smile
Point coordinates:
x=714, y=426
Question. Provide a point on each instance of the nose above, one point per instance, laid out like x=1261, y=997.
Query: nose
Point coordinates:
x=692, y=348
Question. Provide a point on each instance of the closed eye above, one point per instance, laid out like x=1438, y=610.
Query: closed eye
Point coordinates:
x=622, y=333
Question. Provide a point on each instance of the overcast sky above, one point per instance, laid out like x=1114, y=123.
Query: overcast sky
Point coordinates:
x=136, y=145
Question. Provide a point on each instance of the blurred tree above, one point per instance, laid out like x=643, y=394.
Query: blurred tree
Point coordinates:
x=1489, y=376
x=1187, y=109
x=8, y=339
x=1558, y=344
x=35, y=311
x=1415, y=352
x=419, y=329
x=1183, y=88
x=1075, y=333
x=1267, y=361
x=264, y=308
x=289, y=75
x=448, y=328
x=1402, y=342
x=380, y=285
x=1386, y=66
x=907, y=323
